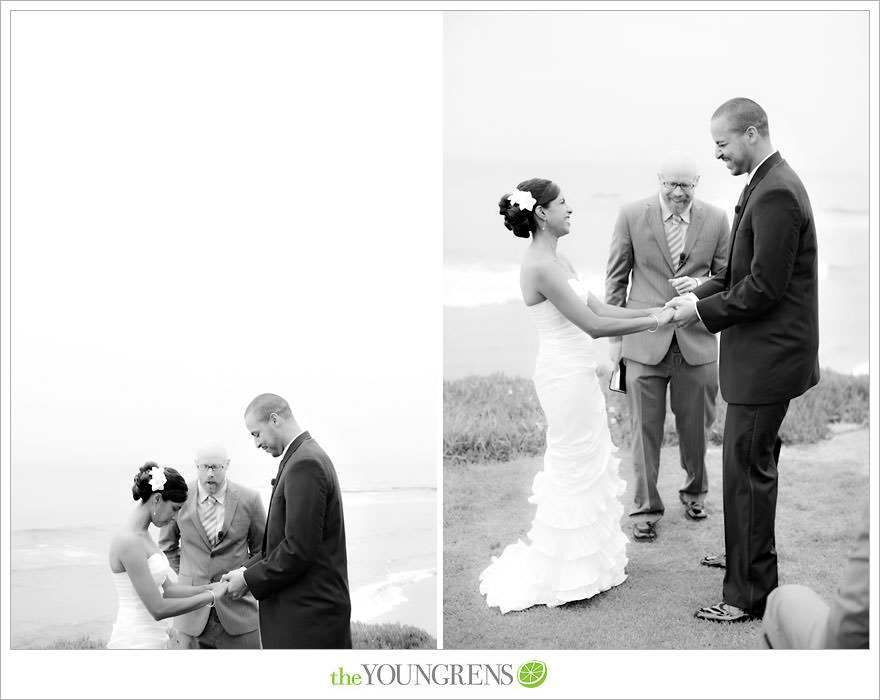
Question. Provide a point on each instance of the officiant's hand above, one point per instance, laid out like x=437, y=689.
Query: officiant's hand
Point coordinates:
x=683, y=285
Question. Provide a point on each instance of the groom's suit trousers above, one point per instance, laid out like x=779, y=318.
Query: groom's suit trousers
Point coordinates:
x=749, y=474
x=766, y=308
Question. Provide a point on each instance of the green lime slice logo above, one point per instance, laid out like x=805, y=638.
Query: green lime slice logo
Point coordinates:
x=531, y=674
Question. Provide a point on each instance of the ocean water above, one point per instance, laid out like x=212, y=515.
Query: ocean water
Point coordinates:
x=485, y=325
x=60, y=584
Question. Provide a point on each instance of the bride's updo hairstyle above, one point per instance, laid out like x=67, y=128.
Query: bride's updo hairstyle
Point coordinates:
x=173, y=489
x=521, y=220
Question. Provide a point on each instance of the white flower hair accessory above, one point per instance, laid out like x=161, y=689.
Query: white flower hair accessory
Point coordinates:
x=523, y=199
x=157, y=478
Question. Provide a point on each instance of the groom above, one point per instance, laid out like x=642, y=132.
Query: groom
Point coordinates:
x=766, y=308
x=301, y=578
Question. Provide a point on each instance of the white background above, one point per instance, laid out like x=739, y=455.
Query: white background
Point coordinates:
x=192, y=182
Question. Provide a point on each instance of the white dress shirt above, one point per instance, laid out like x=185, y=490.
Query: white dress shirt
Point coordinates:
x=287, y=446
x=755, y=169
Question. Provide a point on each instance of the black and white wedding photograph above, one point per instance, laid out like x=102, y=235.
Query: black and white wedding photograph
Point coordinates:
x=224, y=390
x=438, y=349
x=656, y=330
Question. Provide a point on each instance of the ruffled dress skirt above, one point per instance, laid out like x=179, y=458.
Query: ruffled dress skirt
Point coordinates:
x=576, y=547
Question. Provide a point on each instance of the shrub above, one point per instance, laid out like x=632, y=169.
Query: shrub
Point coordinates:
x=499, y=418
x=390, y=635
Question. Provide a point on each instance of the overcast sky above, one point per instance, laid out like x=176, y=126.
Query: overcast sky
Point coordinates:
x=208, y=206
x=626, y=86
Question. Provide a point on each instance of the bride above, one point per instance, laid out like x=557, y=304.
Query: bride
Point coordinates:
x=577, y=548
x=145, y=583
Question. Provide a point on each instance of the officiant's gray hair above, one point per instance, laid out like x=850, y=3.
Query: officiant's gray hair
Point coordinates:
x=265, y=405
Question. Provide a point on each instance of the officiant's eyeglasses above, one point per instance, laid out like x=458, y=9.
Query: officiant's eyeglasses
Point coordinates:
x=212, y=467
x=686, y=186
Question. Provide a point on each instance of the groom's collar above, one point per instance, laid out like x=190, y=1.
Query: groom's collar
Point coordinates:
x=295, y=438
x=292, y=447
x=755, y=170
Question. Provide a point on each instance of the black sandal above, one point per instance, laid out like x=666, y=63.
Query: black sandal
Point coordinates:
x=724, y=613
x=644, y=531
x=718, y=561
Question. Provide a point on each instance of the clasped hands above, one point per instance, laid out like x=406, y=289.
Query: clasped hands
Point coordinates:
x=220, y=589
x=685, y=310
x=236, y=585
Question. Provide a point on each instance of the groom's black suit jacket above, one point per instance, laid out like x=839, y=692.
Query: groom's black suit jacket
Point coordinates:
x=766, y=302
x=301, y=579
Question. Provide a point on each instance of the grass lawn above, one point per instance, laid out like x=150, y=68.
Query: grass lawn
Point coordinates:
x=822, y=487
x=363, y=636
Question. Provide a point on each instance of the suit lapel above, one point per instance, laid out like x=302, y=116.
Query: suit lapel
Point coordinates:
x=288, y=454
x=192, y=505
x=698, y=216
x=229, y=507
x=740, y=208
x=760, y=174
x=655, y=224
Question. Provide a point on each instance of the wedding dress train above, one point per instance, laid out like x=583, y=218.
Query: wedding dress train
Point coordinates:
x=577, y=547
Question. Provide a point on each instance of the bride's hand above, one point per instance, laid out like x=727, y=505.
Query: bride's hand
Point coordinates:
x=219, y=589
x=662, y=314
x=666, y=316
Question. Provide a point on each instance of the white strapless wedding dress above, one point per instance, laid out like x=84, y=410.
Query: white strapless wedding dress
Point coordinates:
x=135, y=628
x=577, y=546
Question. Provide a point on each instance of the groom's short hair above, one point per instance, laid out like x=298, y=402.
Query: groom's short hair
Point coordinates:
x=265, y=405
x=743, y=113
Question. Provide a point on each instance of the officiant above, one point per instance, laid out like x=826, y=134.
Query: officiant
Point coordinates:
x=218, y=529
x=662, y=246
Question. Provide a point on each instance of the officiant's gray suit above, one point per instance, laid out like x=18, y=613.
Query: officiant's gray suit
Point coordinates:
x=201, y=561
x=686, y=359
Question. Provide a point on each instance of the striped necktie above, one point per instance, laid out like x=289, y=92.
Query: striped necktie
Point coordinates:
x=211, y=519
x=674, y=238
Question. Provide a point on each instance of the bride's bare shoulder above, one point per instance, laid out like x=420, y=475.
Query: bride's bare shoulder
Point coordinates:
x=536, y=263
x=538, y=275
x=125, y=541
x=538, y=268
